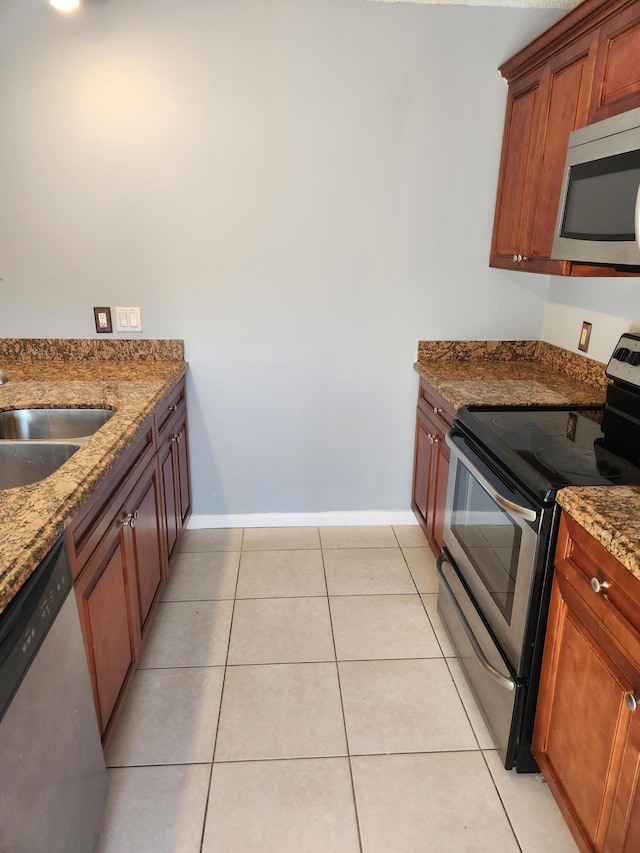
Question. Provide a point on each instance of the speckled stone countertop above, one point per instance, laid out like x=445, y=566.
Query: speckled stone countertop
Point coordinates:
x=611, y=514
x=128, y=376
x=510, y=373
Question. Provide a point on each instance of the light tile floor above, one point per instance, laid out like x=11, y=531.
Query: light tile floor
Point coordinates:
x=297, y=693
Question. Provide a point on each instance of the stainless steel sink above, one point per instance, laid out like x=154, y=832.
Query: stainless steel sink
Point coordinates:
x=52, y=424
x=26, y=462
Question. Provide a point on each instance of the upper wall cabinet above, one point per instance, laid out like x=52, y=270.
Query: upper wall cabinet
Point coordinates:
x=581, y=70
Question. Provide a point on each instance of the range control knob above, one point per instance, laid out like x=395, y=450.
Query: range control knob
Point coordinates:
x=633, y=358
x=621, y=354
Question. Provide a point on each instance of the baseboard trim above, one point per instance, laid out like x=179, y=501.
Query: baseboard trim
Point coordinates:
x=302, y=519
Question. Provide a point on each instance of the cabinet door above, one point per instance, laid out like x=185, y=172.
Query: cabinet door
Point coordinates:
x=109, y=628
x=570, y=78
x=423, y=465
x=184, y=480
x=440, y=478
x=520, y=152
x=143, y=511
x=176, y=482
x=167, y=467
x=582, y=720
x=616, y=85
x=431, y=470
x=624, y=827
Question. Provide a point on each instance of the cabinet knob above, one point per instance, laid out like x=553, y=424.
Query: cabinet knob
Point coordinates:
x=599, y=586
x=437, y=410
x=176, y=438
x=433, y=439
x=173, y=408
x=630, y=700
x=130, y=520
x=515, y=259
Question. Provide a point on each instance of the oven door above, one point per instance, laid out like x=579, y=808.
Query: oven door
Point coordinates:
x=492, y=533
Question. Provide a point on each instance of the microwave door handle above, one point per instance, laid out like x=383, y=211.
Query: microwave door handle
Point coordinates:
x=491, y=671
x=509, y=506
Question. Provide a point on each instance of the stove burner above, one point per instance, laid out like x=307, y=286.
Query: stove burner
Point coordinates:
x=581, y=462
x=533, y=422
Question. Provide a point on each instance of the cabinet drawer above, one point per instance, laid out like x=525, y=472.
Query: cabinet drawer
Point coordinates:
x=581, y=554
x=167, y=409
x=611, y=614
x=433, y=404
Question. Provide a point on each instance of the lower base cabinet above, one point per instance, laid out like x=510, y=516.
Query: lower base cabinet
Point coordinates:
x=587, y=730
x=102, y=595
x=119, y=549
x=431, y=464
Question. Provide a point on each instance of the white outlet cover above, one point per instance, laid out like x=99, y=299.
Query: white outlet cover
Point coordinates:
x=128, y=319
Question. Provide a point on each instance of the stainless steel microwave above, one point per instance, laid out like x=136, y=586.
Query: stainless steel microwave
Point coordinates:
x=599, y=213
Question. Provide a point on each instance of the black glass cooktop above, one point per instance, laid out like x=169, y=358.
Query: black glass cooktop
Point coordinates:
x=548, y=448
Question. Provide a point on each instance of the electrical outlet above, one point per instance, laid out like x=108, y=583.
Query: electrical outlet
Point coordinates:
x=585, y=334
x=128, y=320
x=102, y=317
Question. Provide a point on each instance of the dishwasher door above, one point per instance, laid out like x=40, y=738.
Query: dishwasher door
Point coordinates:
x=53, y=780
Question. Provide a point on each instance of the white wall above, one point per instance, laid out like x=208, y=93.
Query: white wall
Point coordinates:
x=301, y=189
x=612, y=305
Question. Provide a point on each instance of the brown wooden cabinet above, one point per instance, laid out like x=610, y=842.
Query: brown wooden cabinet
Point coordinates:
x=173, y=455
x=587, y=730
x=582, y=69
x=617, y=80
x=118, y=547
x=431, y=463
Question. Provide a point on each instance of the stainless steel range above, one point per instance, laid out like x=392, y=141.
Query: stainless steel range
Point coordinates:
x=500, y=531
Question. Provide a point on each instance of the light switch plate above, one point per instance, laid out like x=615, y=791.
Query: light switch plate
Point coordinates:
x=128, y=319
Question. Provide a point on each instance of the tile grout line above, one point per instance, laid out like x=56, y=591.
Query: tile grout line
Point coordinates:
x=344, y=718
x=502, y=803
x=224, y=678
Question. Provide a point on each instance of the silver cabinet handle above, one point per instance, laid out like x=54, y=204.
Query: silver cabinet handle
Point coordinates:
x=515, y=259
x=173, y=408
x=130, y=520
x=599, y=586
x=432, y=439
x=491, y=671
x=176, y=438
x=630, y=701
x=437, y=410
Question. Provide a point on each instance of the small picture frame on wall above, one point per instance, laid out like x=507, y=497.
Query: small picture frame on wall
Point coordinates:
x=102, y=317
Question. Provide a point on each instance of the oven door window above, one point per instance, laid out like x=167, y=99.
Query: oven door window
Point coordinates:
x=490, y=538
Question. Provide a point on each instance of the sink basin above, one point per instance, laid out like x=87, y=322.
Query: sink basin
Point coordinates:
x=52, y=424
x=26, y=462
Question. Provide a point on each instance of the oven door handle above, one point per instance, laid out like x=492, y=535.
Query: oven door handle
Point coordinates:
x=509, y=506
x=491, y=671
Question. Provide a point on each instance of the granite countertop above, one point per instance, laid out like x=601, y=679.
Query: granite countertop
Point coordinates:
x=611, y=514
x=128, y=376
x=512, y=373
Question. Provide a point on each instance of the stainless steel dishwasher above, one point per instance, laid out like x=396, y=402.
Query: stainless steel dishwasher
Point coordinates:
x=53, y=780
